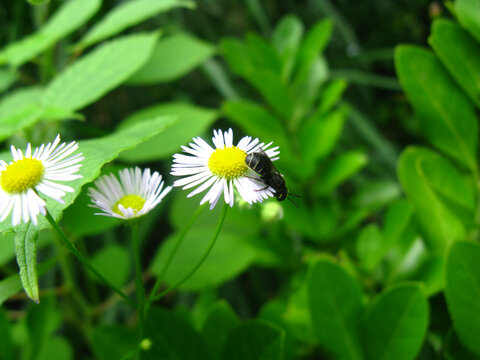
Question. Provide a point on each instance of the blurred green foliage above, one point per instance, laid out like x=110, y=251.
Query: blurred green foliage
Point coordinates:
x=379, y=260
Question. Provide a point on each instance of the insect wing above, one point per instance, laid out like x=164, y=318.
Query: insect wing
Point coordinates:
x=267, y=158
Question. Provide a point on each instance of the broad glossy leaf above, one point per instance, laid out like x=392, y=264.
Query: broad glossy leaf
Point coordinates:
x=377, y=194
x=98, y=72
x=254, y=340
x=446, y=115
x=26, y=252
x=191, y=121
x=460, y=53
x=439, y=226
x=98, y=152
x=126, y=15
x=396, y=221
x=446, y=180
x=19, y=110
x=395, y=324
x=219, y=324
x=463, y=291
x=112, y=342
x=335, y=301
x=113, y=261
x=172, y=337
x=231, y=254
x=172, y=58
x=431, y=274
x=468, y=13
x=69, y=17
x=286, y=39
x=340, y=169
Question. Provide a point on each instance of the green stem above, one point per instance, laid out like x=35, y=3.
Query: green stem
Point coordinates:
x=70, y=246
x=205, y=255
x=180, y=239
x=138, y=278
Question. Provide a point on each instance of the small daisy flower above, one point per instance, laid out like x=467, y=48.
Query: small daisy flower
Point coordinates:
x=29, y=174
x=221, y=168
x=133, y=196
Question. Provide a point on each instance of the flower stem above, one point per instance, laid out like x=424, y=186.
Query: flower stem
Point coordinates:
x=138, y=278
x=70, y=246
x=205, y=255
x=180, y=239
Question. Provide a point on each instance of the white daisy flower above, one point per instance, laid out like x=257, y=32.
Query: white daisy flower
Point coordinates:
x=133, y=196
x=221, y=168
x=29, y=174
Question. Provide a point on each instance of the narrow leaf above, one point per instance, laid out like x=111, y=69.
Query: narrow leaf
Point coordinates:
x=98, y=72
x=69, y=17
x=26, y=252
x=126, y=15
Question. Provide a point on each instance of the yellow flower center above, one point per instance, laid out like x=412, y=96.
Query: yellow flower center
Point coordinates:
x=228, y=163
x=134, y=202
x=22, y=175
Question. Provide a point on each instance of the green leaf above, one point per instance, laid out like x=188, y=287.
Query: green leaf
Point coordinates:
x=446, y=115
x=396, y=221
x=126, y=15
x=320, y=133
x=460, y=54
x=331, y=94
x=19, y=110
x=286, y=39
x=340, y=169
x=442, y=177
x=439, y=226
x=6, y=344
x=113, y=262
x=254, y=340
x=462, y=274
x=112, y=341
x=26, y=252
x=273, y=91
x=235, y=53
x=172, y=337
x=98, y=72
x=454, y=349
x=313, y=44
x=395, y=324
x=38, y=2
x=56, y=348
x=231, y=254
x=468, y=13
x=370, y=247
x=335, y=301
x=69, y=17
x=7, y=78
x=98, y=152
x=431, y=274
x=172, y=58
x=219, y=324
x=192, y=121
x=262, y=55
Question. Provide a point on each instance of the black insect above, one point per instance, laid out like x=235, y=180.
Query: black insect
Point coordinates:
x=260, y=162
